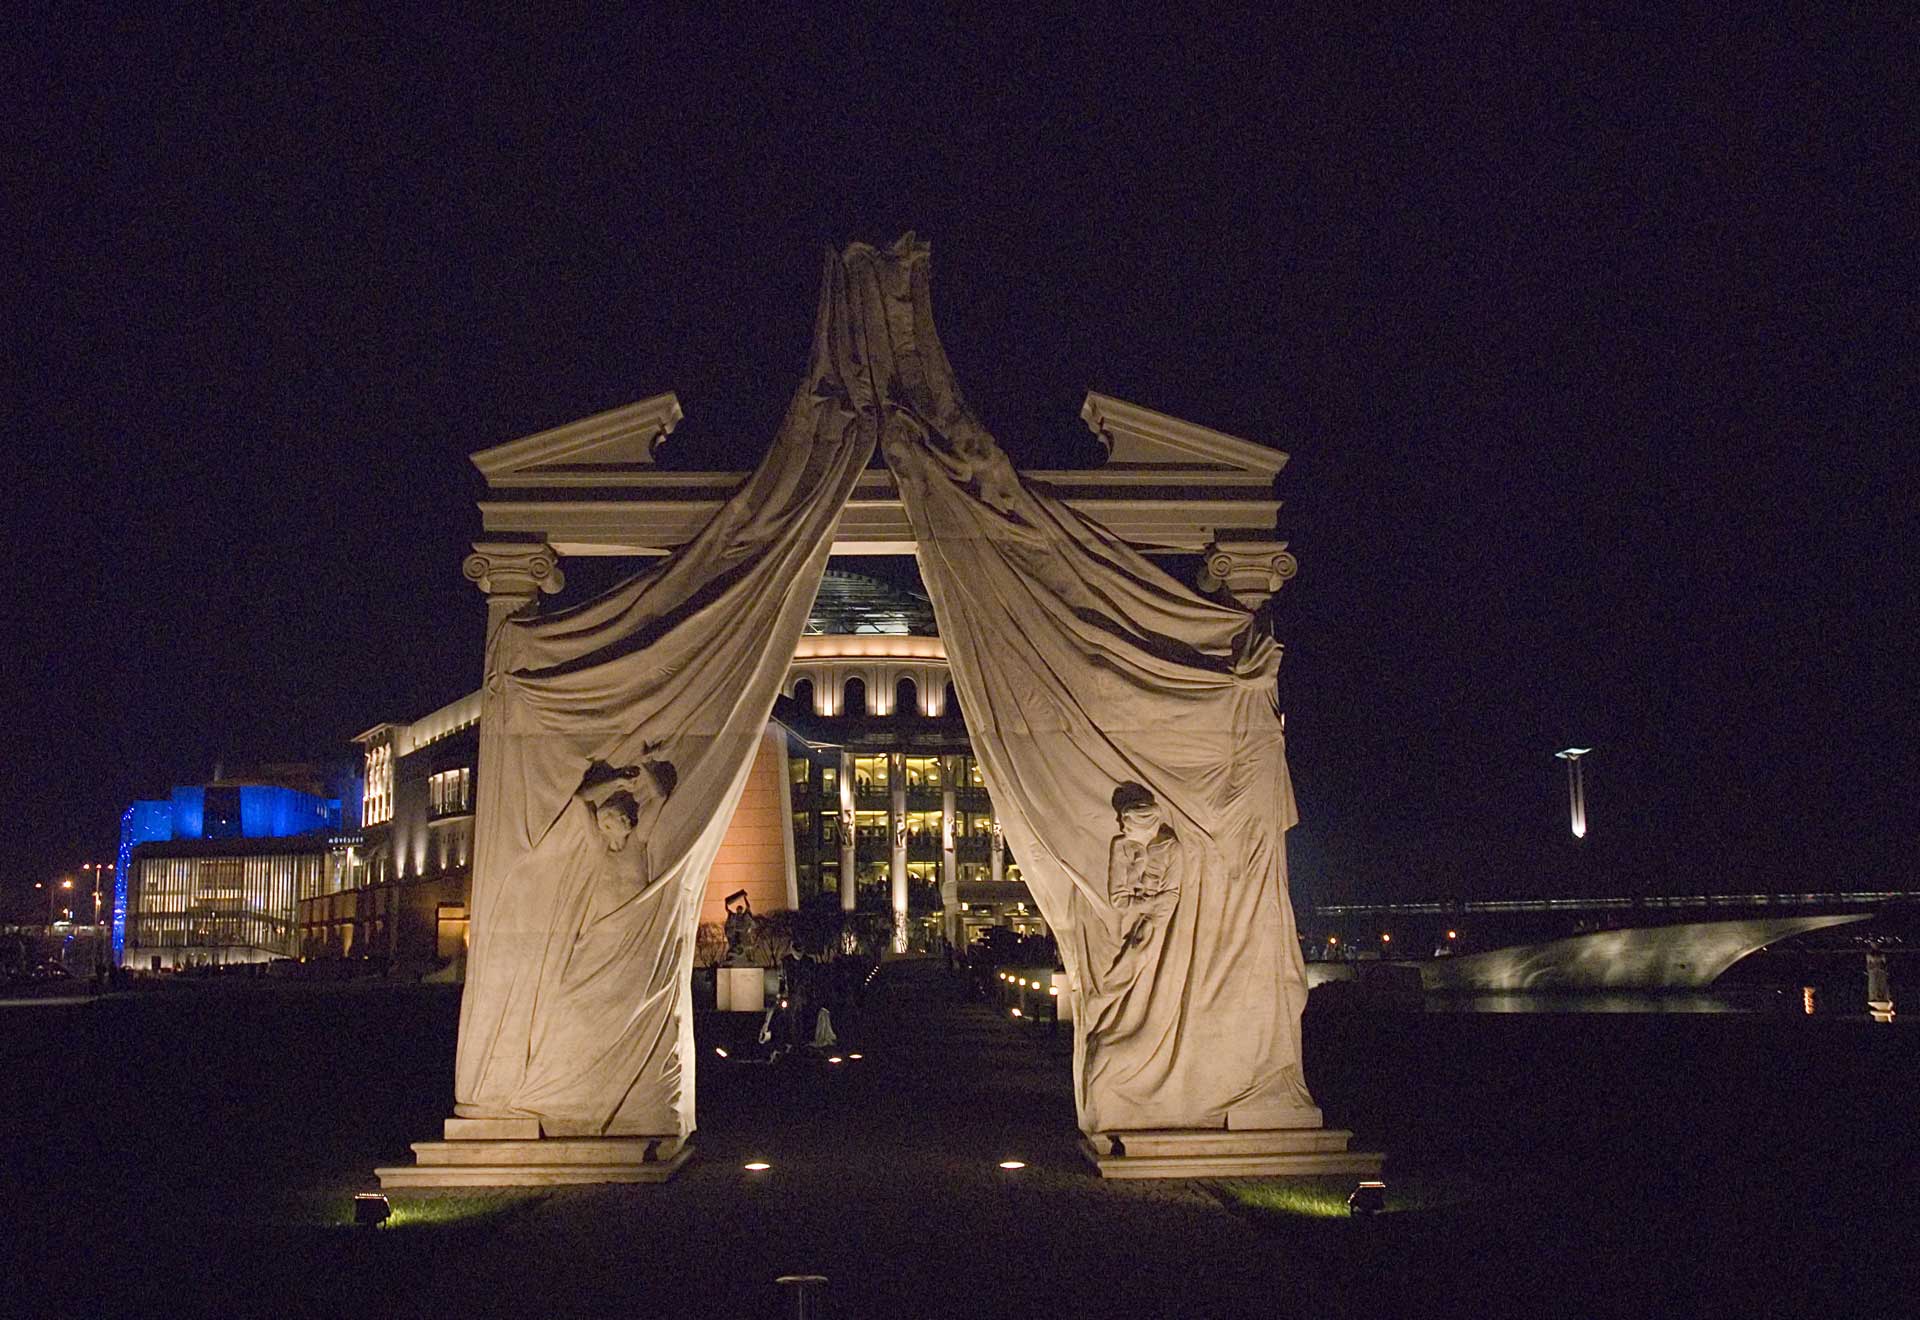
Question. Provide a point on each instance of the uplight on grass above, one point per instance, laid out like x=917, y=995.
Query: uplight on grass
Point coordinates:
x=1369, y=1198
x=836, y=1059
x=1285, y=1198
x=756, y=1166
x=1011, y=1165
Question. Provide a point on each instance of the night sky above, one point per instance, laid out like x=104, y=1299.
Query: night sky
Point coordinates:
x=1590, y=340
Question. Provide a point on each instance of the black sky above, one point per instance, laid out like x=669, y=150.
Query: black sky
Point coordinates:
x=1590, y=337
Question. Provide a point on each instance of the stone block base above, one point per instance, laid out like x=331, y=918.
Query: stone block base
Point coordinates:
x=1220, y=1153
x=482, y=1155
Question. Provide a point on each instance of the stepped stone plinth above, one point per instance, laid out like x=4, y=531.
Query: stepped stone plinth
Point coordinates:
x=510, y=1152
x=1225, y=1153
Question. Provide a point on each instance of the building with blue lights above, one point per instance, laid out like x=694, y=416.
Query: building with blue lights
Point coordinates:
x=210, y=875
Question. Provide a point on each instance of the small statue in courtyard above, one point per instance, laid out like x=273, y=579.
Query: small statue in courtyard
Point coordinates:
x=739, y=924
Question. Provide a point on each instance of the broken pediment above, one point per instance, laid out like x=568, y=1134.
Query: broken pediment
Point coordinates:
x=1140, y=440
x=591, y=487
x=595, y=450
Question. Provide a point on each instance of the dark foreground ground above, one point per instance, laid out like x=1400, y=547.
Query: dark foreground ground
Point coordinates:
x=193, y=1152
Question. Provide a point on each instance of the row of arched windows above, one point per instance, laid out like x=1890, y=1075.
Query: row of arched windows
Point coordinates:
x=906, y=697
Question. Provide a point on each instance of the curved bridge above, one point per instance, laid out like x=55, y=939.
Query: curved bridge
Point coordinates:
x=1685, y=957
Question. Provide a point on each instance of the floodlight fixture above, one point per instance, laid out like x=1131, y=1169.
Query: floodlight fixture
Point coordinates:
x=1576, y=789
x=370, y=1209
x=756, y=1166
x=1369, y=1198
x=1013, y=1165
x=856, y=1056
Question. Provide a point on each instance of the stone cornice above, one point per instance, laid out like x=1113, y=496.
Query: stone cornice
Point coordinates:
x=587, y=451
x=1136, y=436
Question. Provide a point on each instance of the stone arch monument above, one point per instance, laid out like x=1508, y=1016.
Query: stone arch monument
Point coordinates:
x=1125, y=723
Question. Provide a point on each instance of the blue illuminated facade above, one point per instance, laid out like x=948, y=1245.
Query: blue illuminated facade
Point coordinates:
x=222, y=811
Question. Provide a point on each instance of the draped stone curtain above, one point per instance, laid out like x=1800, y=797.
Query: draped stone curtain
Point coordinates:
x=1128, y=733
x=640, y=711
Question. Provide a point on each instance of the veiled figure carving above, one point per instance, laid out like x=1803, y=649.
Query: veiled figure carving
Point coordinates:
x=1082, y=666
x=575, y=1007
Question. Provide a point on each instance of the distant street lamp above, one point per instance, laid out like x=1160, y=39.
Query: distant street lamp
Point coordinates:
x=53, y=893
x=1576, y=789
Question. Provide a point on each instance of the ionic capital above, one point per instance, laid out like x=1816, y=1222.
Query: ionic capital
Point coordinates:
x=1249, y=571
x=514, y=568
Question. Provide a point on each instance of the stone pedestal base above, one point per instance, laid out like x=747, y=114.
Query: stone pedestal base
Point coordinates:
x=510, y=1152
x=1219, y=1153
x=740, y=990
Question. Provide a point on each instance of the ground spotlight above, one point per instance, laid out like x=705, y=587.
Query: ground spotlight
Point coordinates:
x=717, y=1050
x=756, y=1166
x=1016, y=1012
x=1369, y=1198
x=856, y=1056
x=1011, y=1165
x=370, y=1209
x=836, y=1059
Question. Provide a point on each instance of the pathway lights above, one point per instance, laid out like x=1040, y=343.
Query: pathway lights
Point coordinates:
x=836, y=1059
x=1369, y=1198
x=370, y=1210
x=856, y=1056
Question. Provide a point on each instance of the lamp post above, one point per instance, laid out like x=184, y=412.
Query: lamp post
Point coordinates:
x=99, y=960
x=1576, y=789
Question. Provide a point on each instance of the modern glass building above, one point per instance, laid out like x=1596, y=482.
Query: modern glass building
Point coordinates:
x=209, y=875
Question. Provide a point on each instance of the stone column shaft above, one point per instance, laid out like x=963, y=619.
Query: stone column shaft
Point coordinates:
x=897, y=836
x=849, y=845
x=949, y=863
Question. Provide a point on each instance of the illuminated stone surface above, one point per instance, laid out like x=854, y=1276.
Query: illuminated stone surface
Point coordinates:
x=1185, y=1153
x=1685, y=957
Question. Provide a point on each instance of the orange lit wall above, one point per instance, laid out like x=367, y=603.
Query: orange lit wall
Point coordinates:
x=756, y=854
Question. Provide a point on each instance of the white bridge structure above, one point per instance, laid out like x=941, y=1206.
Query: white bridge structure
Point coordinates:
x=1683, y=957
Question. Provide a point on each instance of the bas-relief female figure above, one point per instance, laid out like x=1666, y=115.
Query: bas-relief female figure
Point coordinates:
x=600, y=1010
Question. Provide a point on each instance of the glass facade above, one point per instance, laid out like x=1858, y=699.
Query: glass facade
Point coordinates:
x=210, y=910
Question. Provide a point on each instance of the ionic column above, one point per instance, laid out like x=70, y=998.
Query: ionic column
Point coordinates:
x=849, y=846
x=897, y=859
x=1249, y=571
x=514, y=574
